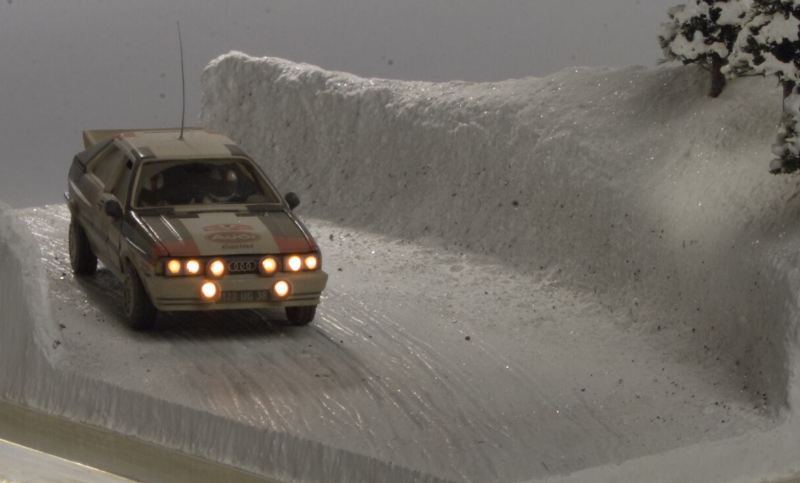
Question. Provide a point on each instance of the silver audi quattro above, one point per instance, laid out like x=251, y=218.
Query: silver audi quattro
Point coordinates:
x=188, y=222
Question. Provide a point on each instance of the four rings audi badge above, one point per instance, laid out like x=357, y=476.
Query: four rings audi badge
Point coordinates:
x=238, y=267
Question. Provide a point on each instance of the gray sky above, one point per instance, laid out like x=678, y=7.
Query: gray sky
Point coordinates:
x=70, y=65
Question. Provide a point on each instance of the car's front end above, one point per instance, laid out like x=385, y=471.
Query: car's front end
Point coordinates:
x=237, y=281
x=209, y=258
x=189, y=222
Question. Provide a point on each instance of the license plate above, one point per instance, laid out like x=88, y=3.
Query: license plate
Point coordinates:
x=243, y=296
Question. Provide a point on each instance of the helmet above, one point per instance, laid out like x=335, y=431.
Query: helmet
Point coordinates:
x=156, y=182
x=222, y=184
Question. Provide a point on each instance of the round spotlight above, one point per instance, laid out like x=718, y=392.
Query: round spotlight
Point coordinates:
x=193, y=267
x=281, y=288
x=311, y=262
x=269, y=265
x=173, y=267
x=209, y=290
x=295, y=263
x=216, y=268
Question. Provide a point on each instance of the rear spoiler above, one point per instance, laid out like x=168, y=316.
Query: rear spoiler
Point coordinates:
x=95, y=136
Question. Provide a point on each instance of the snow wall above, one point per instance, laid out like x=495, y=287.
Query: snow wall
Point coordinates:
x=29, y=375
x=629, y=183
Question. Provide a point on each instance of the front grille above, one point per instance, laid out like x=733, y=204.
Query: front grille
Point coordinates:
x=242, y=266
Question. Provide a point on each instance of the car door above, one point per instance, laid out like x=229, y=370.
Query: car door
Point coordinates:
x=103, y=171
x=88, y=188
x=119, y=192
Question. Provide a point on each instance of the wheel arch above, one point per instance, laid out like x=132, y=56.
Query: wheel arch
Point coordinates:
x=127, y=260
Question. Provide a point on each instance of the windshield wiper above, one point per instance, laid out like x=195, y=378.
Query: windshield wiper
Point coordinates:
x=207, y=210
x=262, y=207
x=156, y=210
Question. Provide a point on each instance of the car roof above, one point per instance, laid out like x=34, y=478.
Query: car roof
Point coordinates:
x=165, y=144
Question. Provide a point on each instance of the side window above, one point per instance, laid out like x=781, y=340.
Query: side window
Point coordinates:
x=120, y=190
x=107, y=164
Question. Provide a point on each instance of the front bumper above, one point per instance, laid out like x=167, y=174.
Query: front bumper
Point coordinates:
x=183, y=293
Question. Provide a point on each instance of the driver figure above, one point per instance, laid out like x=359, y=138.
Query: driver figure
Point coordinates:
x=151, y=193
x=222, y=185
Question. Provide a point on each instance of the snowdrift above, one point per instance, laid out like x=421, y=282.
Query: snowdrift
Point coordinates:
x=627, y=183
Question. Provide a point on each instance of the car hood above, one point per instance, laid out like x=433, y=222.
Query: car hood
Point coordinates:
x=226, y=233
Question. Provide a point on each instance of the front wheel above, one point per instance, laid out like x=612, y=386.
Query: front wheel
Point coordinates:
x=302, y=315
x=139, y=310
x=81, y=257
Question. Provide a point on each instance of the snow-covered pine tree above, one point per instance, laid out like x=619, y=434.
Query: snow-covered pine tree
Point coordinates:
x=770, y=45
x=704, y=32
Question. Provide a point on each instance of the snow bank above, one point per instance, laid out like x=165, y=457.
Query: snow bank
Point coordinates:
x=30, y=375
x=628, y=183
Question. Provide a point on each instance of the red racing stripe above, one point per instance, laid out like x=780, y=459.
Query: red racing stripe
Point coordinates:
x=184, y=248
x=157, y=251
x=292, y=244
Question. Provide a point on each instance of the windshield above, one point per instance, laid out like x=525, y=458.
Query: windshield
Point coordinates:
x=208, y=182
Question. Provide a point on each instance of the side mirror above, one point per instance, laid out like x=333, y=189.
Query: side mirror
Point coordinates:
x=113, y=209
x=292, y=199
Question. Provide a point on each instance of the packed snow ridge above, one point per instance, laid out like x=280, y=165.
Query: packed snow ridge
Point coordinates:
x=627, y=184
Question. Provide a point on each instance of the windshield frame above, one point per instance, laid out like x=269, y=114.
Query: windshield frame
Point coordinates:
x=261, y=178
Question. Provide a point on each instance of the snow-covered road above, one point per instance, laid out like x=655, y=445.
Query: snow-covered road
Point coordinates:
x=422, y=356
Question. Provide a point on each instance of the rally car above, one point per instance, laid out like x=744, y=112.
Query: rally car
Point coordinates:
x=188, y=222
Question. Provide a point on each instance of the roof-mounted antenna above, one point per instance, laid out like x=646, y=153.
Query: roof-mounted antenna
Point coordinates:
x=183, y=81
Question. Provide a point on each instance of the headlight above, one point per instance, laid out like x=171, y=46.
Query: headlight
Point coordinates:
x=173, y=267
x=216, y=268
x=209, y=290
x=295, y=263
x=269, y=266
x=311, y=262
x=192, y=267
x=281, y=288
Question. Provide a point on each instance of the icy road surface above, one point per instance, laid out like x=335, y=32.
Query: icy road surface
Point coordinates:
x=429, y=358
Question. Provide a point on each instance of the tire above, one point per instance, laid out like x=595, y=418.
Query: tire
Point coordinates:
x=139, y=310
x=81, y=257
x=302, y=315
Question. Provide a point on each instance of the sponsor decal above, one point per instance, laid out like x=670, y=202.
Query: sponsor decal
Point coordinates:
x=228, y=228
x=232, y=237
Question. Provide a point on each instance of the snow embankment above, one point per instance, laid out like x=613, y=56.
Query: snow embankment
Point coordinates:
x=628, y=183
x=31, y=375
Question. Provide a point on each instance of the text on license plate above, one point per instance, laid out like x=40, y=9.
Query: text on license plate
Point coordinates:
x=245, y=296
